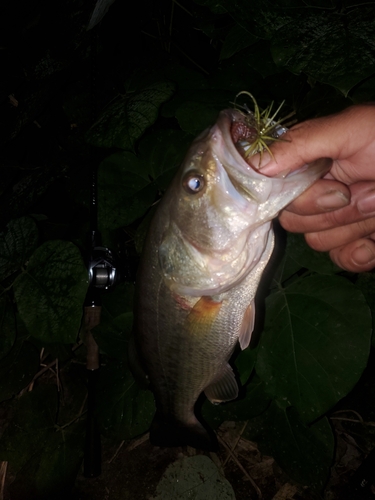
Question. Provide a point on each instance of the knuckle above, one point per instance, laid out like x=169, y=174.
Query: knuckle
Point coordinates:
x=317, y=241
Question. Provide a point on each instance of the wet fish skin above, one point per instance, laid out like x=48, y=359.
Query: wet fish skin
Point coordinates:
x=202, y=262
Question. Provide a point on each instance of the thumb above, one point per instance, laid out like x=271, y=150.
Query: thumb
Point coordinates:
x=340, y=136
x=304, y=143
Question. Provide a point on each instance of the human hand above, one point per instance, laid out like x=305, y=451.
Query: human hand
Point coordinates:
x=337, y=214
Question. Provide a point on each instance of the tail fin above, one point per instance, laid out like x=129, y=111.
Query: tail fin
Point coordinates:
x=171, y=433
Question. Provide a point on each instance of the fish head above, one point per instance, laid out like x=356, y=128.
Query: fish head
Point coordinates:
x=219, y=211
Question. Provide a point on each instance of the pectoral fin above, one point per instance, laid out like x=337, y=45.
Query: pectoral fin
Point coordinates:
x=224, y=388
x=247, y=326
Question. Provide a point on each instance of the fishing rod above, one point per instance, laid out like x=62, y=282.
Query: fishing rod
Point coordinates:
x=103, y=275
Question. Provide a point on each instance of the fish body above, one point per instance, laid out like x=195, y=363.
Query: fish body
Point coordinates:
x=205, y=252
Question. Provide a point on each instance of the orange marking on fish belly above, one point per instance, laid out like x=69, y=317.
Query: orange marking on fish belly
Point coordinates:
x=181, y=302
x=204, y=312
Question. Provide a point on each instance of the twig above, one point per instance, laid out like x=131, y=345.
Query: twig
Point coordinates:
x=343, y=419
x=3, y=473
x=138, y=442
x=183, y=8
x=72, y=421
x=239, y=465
x=80, y=413
x=43, y=370
x=131, y=446
x=236, y=442
x=349, y=420
x=116, y=452
x=77, y=346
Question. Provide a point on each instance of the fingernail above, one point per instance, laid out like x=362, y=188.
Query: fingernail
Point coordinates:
x=332, y=200
x=363, y=255
x=366, y=205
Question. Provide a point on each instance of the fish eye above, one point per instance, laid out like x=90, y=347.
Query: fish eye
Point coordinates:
x=193, y=182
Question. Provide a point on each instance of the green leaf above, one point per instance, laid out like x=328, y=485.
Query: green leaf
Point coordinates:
x=60, y=461
x=113, y=337
x=315, y=343
x=44, y=461
x=193, y=477
x=334, y=48
x=321, y=100
x=17, y=369
x=116, y=321
x=51, y=292
x=238, y=38
x=245, y=363
x=298, y=250
x=366, y=283
x=31, y=425
x=185, y=78
x=194, y=117
x=124, y=121
x=288, y=269
x=196, y=110
x=161, y=153
x=259, y=57
x=124, y=190
x=17, y=243
x=364, y=92
x=304, y=452
x=124, y=410
x=128, y=185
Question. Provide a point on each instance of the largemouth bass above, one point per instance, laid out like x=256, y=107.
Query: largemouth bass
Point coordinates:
x=205, y=252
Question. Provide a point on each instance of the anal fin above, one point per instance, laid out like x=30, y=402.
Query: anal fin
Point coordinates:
x=224, y=388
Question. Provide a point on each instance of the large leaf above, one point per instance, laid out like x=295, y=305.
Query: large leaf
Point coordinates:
x=304, y=452
x=366, y=283
x=333, y=45
x=113, y=337
x=51, y=292
x=124, y=191
x=124, y=410
x=238, y=38
x=44, y=460
x=128, y=184
x=259, y=57
x=124, y=121
x=193, y=477
x=335, y=48
x=161, y=153
x=198, y=109
x=315, y=343
x=30, y=427
x=298, y=250
x=17, y=243
x=59, y=461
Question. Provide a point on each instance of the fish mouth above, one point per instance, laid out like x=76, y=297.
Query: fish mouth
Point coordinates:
x=237, y=132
